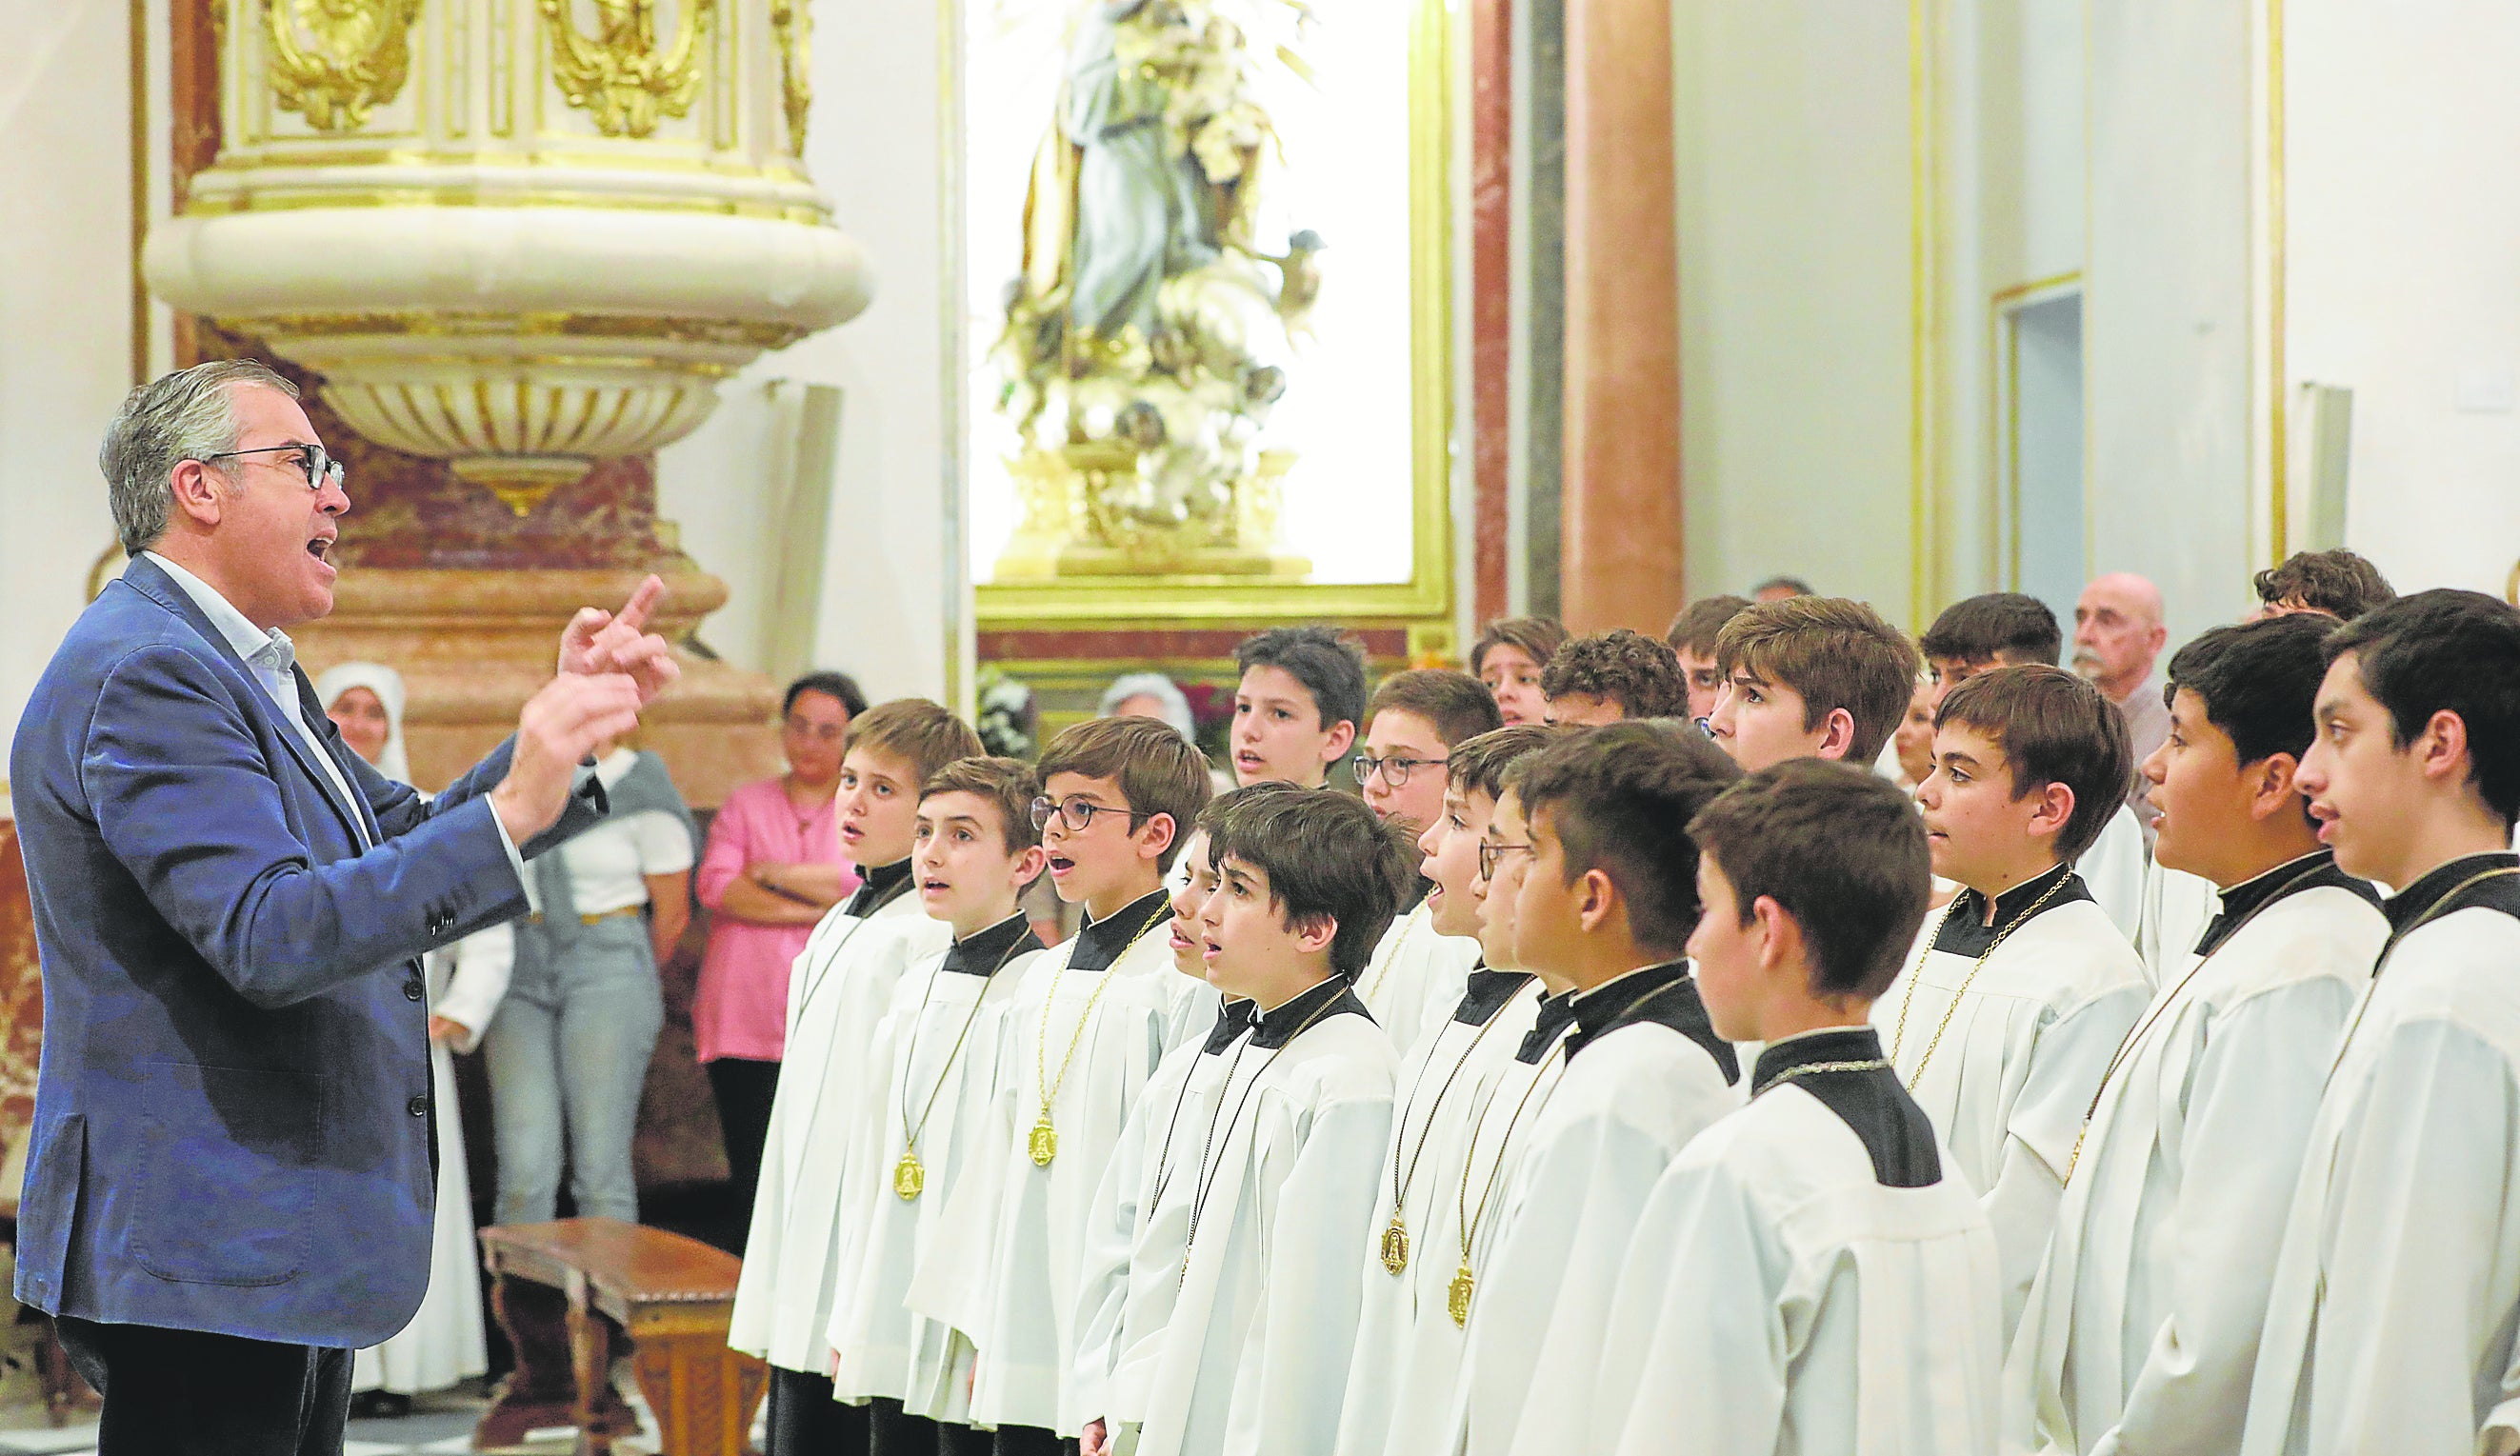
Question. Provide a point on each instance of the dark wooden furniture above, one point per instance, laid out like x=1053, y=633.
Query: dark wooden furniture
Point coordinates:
x=566, y=1292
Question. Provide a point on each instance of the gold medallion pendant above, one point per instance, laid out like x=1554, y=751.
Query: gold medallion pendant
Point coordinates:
x=1043, y=1142
x=1457, y=1299
x=1395, y=1245
x=908, y=1177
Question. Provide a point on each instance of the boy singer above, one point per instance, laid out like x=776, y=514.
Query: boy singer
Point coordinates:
x=1411, y=726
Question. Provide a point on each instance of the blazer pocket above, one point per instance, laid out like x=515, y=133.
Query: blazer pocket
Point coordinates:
x=229, y=1156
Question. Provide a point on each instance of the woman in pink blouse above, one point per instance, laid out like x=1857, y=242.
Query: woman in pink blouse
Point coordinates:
x=772, y=869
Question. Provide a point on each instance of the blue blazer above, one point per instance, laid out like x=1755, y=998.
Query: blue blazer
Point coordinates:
x=233, y=1118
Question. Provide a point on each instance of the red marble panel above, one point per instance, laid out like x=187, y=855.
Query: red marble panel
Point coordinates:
x=1491, y=292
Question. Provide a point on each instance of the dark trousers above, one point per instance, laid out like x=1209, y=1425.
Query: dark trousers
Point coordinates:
x=805, y=1421
x=743, y=1090
x=1030, y=1440
x=184, y=1393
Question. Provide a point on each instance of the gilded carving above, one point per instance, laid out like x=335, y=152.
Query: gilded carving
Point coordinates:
x=793, y=27
x=355, y=56
x=618, y=75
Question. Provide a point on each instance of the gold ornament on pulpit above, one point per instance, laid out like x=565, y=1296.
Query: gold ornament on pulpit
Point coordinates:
x=356, y=57
x=619, y=77
x=1150, y=335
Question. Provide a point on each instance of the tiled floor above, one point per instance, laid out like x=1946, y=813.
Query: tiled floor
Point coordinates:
x=437, y=1425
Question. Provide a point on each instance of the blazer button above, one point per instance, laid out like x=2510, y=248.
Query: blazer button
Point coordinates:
x=411, y=991
x=418, y=1106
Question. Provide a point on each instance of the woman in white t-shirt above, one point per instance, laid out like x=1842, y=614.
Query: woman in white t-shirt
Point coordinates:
x=569, y=1050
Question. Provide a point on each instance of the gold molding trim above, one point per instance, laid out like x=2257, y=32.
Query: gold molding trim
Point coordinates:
x=275, y=201
x=360, y=59
x=2278, y=420
x=791, y=24
x=2003, y=413
x=431, y=323
x=1427, y=594
x=1924, y=313
x=619, y=78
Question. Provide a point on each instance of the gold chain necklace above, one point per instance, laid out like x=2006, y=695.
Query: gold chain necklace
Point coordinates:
x=1043, y=1144
x=909, y=1175
x=2438, y=906
x=1395, y=1235
x=1164, y=1154
x=1406, y=930
x=2161, y=1007
x=1206, y=1180
x=1814, y=1069
x=1456, y=1295
x=1899, y=1037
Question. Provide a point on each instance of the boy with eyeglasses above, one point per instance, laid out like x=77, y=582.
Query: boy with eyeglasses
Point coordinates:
x=1412, y=724
x=1084, y=1031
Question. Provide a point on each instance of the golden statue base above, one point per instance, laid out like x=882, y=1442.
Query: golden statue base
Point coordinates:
x=1086, y=514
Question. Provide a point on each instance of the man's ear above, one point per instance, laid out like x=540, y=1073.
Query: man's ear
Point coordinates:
x=1314, y=933
x=2441, y=749
x=2055, y=809
x=1030, y=863
x=1836, y=734
x=198, y=491
x=1781, y=936
x=2271, y=787
x=1154, y=836
x=1596, y=898
x=1342, y=737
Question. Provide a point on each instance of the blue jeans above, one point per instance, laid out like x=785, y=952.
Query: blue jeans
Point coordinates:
x=568, y=1055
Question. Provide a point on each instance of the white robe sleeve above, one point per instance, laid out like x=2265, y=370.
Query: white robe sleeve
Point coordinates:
x=2251, y=1098
x=2068, y=1060
x=2399, y=1254
x=1693, y=1342
x=1102, y=1284
x=1312, y=1228
x=482, y=963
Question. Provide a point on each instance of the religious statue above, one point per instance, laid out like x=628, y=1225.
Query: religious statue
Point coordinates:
x=1149, y=332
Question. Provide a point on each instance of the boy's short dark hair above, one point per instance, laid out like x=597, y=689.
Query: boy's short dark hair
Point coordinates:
x=2339, y=583
x=1694, y=629
x=837, y=685
x=1478, y=765
x=915, y=729
x=2454, y=651
x=1619, y=799
x=1624, y=667
x=2258, y=682
x=1230, y=801
x=1329, y=663
x=2006, y=627
x=1840, y=849
x=2054, y=728
x=1535, y=638
x=1835, y=653
x=1010, y=784
x=1324, y=854
x=1456, y=705
x=1157, y=770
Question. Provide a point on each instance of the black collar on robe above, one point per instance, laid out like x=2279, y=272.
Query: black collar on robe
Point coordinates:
x=1331, y=997
x=884, y=885
x=2413, y=903
x=2309, y=872
x=1665, y=994
x=1487, y=995
x=983, y=951
x=1557, y=1013
x=1964, y=929
x=1233, y=1019
x=1870, y=1100
x=1101, y=942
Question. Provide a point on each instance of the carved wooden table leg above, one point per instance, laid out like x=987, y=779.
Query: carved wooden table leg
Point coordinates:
x=702, y=1393
x=543, y=1391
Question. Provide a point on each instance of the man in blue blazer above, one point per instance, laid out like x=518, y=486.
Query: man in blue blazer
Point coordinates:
x=230, y=1183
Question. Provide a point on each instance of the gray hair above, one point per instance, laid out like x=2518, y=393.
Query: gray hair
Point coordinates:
x=188, y=414
x=1154, y=685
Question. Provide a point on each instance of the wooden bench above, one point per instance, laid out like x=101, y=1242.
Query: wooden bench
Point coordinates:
x=565, y=1292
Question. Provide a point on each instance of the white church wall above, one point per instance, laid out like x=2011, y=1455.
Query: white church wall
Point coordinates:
x=1793, y=179
x=2402, y=282
x=64, y=321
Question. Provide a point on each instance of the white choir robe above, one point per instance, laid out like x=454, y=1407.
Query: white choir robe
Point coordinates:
x=1780, y=1297
x=2142, y=1328
x=837, y=989
x=2176, y=908
x=1016, y=1296
x=1408, y=1350
x=2397, y=1288
x=2023, y=1054
x=2113, y=870
x=1414, y=977
x=1575, y=1181
x=443, y=1344
x=1140, y=1234
x=1254, y=1356
x=885, y=1349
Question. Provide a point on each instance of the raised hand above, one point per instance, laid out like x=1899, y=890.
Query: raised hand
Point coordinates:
x=560, y=727
x=600, y=641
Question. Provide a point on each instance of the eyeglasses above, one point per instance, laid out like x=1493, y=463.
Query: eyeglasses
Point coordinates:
x=1395, y=772
x=1490, y=853
x=319, y=466
x=1076, y=815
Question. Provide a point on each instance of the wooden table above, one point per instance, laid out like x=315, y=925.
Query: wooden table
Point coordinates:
x=565, y=1291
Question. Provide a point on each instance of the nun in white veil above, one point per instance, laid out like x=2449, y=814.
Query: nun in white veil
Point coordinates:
x=443, y=1344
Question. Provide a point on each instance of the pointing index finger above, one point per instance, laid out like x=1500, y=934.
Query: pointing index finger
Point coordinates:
x=634, y=613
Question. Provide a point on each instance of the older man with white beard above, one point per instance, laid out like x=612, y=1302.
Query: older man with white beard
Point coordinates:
x=2117, y=637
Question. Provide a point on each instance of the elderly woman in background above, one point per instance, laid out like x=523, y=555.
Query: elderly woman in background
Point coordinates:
x=1148, y=695
x=443, y=1344
x=568, y=1052
x=773, y=868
